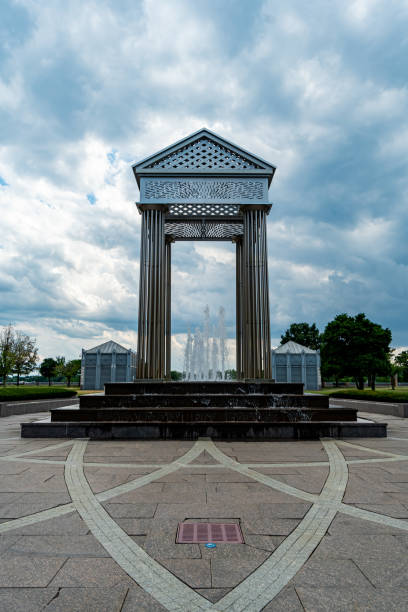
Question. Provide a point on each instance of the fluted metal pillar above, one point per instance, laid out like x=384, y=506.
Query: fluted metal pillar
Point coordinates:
x=168, y=308
x=256, y=349
x=152, y=295
x=239, y=308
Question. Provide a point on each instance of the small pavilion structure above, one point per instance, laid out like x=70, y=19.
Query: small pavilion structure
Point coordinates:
x=204, y=188
x=106, y=363
x=295, y=363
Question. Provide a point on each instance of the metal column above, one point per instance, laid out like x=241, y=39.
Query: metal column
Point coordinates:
x=168, y=308
x=152, y=299
x=239, y=308
x=256, y=349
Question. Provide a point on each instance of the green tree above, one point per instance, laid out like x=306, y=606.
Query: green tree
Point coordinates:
x=357, y=347
x=72, y=369
x=401, y=362
x=7, y=353
x=48, y=369
x=175, y=375
x=25, y=355
x=303, y=333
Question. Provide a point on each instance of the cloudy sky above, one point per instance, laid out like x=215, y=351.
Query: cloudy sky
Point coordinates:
x=317, y=88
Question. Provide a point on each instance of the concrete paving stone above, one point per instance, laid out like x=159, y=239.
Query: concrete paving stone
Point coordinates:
x=59, y=545
x=397, y=476
x=359, y=491
x=234, y=552
x=166, y=492
x=266, y=526
x=386, y=570
x=204, y=458
x=103, y=481
x=227, y=574
x=30, y=482
x=330, y=573
x=7, y=468
x=263, y=542
x=186, y=476
x=7, y=540
x=312, y=483
x=356, y=599
x=68, y=524
x=7, y=498
x=121, y=510
x=133, y=526
x=194, y=572
x=394, y=509
x=23, y=571
x=89, y=572
x=227, y=476
x=88, y=600
x=213, y=595
x=25, y=599
x=138, y=600
x=275, y=471
x=344, y=524
x=383, y=548
x=160, y=542
x=236, y=492
x=394, y=599
x=286, y=601
x=30, y=503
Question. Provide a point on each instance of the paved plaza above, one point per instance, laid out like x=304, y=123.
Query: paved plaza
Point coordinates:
x=91, y=525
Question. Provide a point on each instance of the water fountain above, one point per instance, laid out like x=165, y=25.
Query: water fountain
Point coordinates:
x=206, y=354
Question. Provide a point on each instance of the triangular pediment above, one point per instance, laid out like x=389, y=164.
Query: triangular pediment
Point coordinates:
x=205, y=152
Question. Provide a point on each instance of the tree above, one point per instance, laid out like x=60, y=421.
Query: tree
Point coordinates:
x=401, y=362
x=25, y=355
x=357, y=347
x=7, y=354
x=303, y=333
x=175, y=375
x=72, y=369
x=47, y=369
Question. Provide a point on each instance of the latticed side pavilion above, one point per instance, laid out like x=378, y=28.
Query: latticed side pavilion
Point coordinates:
x=204, y=188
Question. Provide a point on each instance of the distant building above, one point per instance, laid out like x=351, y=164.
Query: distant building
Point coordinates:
x=108, y=362
x=292, y=362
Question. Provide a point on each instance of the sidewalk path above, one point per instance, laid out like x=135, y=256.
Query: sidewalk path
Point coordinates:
x=92, y=525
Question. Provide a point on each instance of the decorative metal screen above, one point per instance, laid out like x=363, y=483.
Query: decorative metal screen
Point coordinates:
x=203, y=230
x=204, y=190
x=204, y=153
x=203, y=210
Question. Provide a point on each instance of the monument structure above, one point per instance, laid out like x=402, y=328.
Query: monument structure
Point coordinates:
x=203, y=188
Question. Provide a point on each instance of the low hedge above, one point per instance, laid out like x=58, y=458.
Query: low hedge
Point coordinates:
x=21, y=393
x=381, y=395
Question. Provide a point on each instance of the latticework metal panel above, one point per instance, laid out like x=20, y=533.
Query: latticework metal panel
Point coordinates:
x=188, y=209
x=203, y=190
x=203, y=154
x=203, y=230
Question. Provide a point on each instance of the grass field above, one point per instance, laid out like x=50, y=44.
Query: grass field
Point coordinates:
x=14, y=393
x=380, y=395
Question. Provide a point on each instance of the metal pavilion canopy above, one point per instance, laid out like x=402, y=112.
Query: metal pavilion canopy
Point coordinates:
x=204, y=188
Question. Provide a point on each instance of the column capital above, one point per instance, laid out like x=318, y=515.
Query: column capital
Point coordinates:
x=141, y=207
x=249, y=207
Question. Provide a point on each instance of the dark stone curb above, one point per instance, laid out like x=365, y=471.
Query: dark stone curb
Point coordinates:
x=29, y=406
x=192, y=431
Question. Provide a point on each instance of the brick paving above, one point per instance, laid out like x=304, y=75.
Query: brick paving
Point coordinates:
x=92, y=525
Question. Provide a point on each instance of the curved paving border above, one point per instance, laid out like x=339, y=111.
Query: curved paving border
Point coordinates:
x=258, y=589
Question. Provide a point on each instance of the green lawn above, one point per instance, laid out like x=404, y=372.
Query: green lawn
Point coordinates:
x=23, y=392
x=380, y=395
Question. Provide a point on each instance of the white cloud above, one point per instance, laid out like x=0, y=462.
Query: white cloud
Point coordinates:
x=317, y=89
